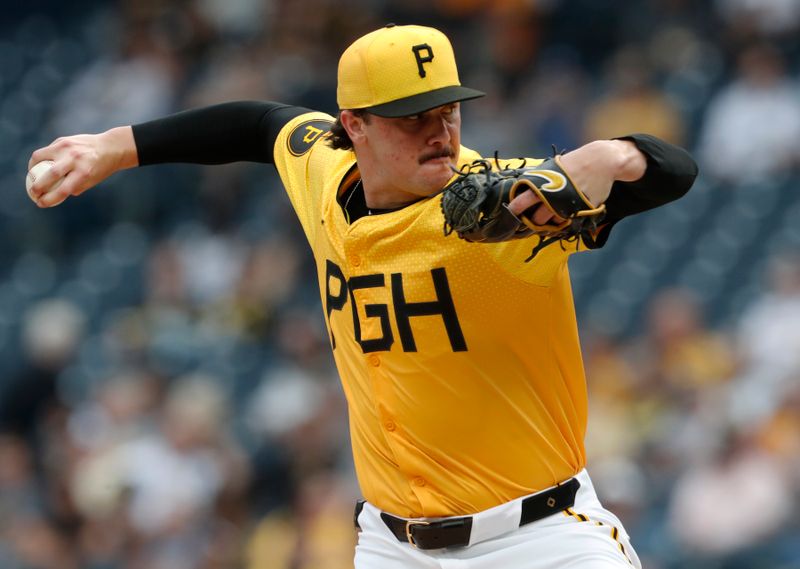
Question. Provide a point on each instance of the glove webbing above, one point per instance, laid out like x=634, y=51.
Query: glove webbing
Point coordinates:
x=467, y=198
x=570, y=230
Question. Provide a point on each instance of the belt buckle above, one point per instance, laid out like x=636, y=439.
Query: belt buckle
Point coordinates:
x=409, y=525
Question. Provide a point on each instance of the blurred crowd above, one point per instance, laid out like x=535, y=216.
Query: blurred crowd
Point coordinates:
x=167, y=394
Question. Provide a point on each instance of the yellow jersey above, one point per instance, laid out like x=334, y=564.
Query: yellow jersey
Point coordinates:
x=460, y=362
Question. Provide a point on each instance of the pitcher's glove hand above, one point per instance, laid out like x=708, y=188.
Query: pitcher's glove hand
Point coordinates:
x=475, y=205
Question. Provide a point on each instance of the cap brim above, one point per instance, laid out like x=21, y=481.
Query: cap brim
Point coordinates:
x=425, y=101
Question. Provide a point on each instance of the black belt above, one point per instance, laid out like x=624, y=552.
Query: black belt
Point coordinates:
x=454, y=532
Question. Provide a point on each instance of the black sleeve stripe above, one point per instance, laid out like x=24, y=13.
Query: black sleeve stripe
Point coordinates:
x=671, y=171
x=219, y=134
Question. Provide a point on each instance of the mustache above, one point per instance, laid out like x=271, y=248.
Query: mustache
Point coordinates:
x=446, y=152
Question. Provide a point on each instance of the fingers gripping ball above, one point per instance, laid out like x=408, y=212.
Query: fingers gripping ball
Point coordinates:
x=475, y=204
x=35, y=173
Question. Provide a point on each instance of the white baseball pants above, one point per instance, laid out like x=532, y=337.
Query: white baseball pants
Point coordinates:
x=586, y=536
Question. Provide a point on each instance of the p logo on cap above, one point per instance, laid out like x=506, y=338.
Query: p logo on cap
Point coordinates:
x=428, y=57
x=400, y=70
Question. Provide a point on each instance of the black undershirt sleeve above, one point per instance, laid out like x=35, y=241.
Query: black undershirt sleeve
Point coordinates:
x=219, y=134
x=670, y=173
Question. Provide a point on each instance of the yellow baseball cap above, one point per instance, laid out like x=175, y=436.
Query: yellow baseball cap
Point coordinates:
x=398, y=71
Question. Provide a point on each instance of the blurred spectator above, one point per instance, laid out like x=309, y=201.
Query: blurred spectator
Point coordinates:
x=318, y=535
x=233, y=73
x=210, y=262
x=560, y=87
x=612, y=383
x=686, y=355
x=19, y=494
x=299, y=418
x=165, y=483
x=301, y=414
x=267, y=279
x=768, y=335
x=632, y=103
x=514, y=38
x=53, y=330
x=235, y=18
x=779, y=434
x=36, y=543
x=642, y=21
x=738, y=498
x=689, y=66
x=682, y=369
x=615, y=432
x=752, y=125
x=769, y=342
x=166, y=285
x=118, y=410
x=760, y=18
x=135, y=83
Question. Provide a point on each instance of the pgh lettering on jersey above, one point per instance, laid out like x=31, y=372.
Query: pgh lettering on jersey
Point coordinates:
x=407, y=311
x=404, y=309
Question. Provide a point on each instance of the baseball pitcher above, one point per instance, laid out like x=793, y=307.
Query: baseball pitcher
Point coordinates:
x=444, y=284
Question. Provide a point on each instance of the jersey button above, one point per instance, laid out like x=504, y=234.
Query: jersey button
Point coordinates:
x=374, y=360
x=390, y=426
x=419, y=481
x=355, y=260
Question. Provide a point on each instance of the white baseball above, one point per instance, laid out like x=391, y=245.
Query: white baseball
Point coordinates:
x=37, y=172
